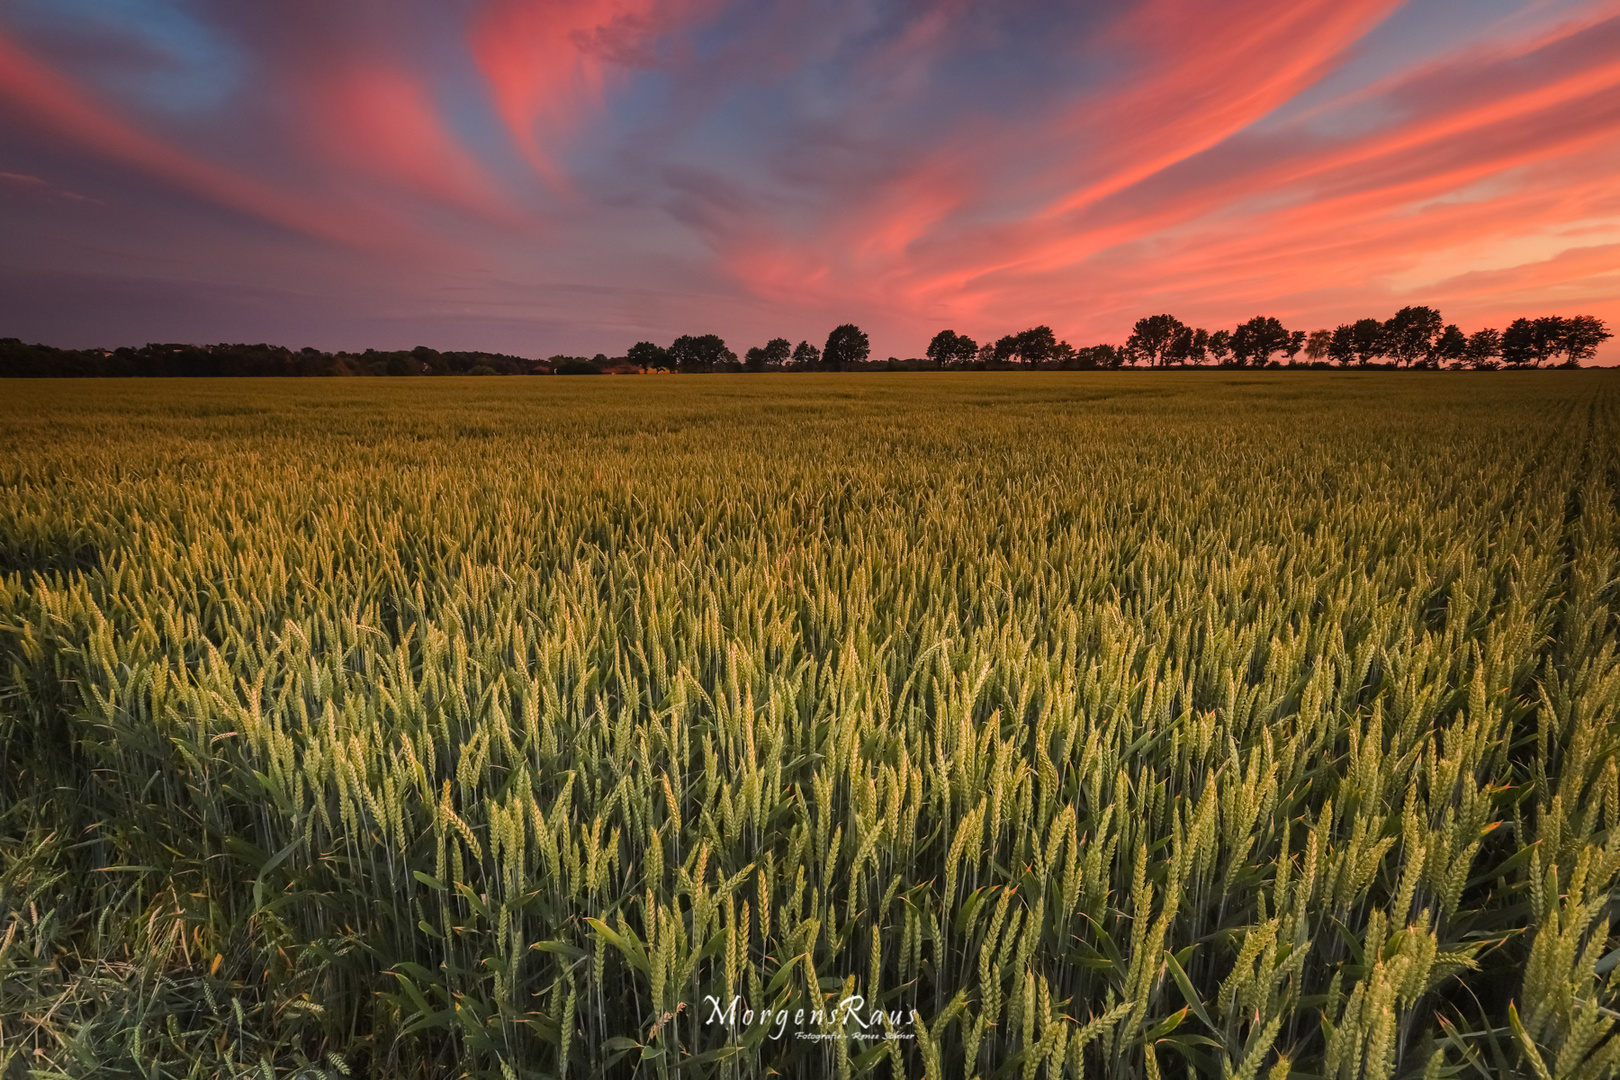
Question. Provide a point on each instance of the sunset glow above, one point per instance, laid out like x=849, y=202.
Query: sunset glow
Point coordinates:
x=542, y=176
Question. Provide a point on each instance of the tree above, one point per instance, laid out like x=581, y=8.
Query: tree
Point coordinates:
x=1098, y=356
x=942, y=349
x=777, y=351
x=1296, y=342
x=644, y=354
x=1180, y=349
x=1342, y=346
x=1193, y=347
x=1005, y=348
x=846, y=346
x=1528, y=341
x=950, y=349
x=1549, y=337
x=1256, y=340
x=1154, y=336
x=1582, y=336
x=1449, y=347
x=1483, y=347
x=773, y=354
x=1518, y=342
x=1409, y=334
x=1220, y=345
x=966, y=350
x=703, y=353
x=1367, y=339
x=805, y=356
x=429, y=361
x=1319, y=344
x=1031, y=347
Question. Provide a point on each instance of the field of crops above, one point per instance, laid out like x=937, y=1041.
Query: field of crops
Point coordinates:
x=1120, y=725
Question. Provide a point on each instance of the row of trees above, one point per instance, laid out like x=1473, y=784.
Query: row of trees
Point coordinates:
x=1412, y=337
x=18, y=360
x=847, y=349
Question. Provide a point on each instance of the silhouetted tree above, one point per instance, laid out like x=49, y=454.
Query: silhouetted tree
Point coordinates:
x=1191, y=346
x=1005, y=349
x=644, y=354
x=846, y=346
x=1519, y=343
x=1533, y=341
x=1449, y=347
x=1032, y=347
x=1319, y=345
x=1098, y=356
x=1220, y=345
x=701, y=353
x=773, y=353
x=950, y=349
x=1367, y=339
x=1410, y=332
x=1154, y=336
x=805, y=357
x=1296, y=342
x=1582, y=336
x=1179, y=351
x=1256, y=340
x=1342, y=347
x=1549, y=337
x=429, y=361
x=1483, y=347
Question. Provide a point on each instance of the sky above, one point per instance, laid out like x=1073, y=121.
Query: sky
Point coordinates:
x=572, y=176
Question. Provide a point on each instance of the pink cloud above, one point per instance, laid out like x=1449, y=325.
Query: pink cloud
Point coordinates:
x=902, y=166
x=546, y=61
x=1209, y=71
x=1293, y=206
x=382, y=119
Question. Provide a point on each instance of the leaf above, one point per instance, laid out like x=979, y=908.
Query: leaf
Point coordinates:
x=1188, y=994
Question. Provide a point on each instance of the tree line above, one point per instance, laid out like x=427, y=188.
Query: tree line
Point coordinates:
x=18, y=360
x=1414, y=337
x=847, y=349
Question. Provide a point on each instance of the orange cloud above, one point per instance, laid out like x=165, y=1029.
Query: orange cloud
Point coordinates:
x=1292, y=209
x=1210, y=72
x=990, y=166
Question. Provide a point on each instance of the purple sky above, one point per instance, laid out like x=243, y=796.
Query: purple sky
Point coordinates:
x=539, y=177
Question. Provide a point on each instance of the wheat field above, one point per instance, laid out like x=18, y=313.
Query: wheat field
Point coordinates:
x=1038, y=726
